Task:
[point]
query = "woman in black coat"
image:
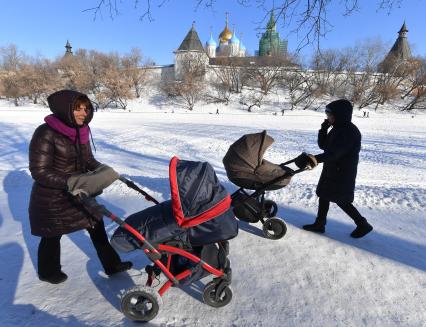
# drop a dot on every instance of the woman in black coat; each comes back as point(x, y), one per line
point(59, 156)
point(341, 154)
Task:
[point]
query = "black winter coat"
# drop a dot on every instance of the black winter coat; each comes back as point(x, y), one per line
point(53, 158)
point(341, 155)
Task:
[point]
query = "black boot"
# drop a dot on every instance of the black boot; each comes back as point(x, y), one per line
point(122, 266)
point(362, 229)
point(317, 227)
point(54, 279)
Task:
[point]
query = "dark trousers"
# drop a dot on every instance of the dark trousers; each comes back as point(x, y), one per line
point(348, 208)
point(49, 251)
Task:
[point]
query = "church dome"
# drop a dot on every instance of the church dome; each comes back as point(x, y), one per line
point(226, 34)
point(234, 39)
point(211, 41)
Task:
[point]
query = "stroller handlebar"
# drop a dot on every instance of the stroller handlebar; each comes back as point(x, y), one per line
point(123, 179)
point(133, 186)
point(286, 169)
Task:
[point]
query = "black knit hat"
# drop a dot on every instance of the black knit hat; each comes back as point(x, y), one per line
point(341, 110)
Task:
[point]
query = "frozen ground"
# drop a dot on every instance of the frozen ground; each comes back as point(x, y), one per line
point(301, 280)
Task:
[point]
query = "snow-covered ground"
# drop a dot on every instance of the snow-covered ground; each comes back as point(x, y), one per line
point(303, 279)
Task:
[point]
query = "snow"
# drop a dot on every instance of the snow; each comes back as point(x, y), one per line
point(303, 279)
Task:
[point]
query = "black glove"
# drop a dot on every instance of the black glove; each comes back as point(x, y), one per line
point(325, 124)
point(306, 160)
point(301, 161)
point(96, 210)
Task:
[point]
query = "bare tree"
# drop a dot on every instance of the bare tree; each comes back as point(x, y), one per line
point(11, 86)
point(228, 78)
point(116, 85)
point(189, 89)
point(132, 67)
point(188, 93)
point(361, 71)
point(358, 83)
point(116, 90)
point(39, 78)
point(265, 77)
point(230, 75)
point(219, 93)
point(77, 72)
point(387, 86)
point(300, 87)
point(11, 58)
point(329, 72)
point(104, 76)
point(93, 67)
point(252, 99)
point(415, 91)
point(308, 19)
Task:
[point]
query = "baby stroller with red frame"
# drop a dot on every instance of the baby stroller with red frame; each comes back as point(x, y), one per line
point(186, 238)
point(246, 168)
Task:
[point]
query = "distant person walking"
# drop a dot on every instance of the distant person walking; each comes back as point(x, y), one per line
point(59, 158)
point(365, 113)
point(341, 147)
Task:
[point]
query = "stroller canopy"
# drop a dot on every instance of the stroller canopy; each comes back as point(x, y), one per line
point(196, 193)
point(245, 166)
point(199, 211)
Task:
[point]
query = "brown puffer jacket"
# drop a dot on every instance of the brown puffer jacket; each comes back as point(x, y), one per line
point(53, 159)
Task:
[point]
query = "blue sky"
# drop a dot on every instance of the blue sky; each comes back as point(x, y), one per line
point(43, 27)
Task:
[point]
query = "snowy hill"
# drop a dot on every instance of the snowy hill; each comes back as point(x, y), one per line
point(303, 279)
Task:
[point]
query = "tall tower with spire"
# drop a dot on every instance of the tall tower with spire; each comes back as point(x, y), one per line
point(400, 51)
point(191, 49)
point(68, 51)
point(270, 42)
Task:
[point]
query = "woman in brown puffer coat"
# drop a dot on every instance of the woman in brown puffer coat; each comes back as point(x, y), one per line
point(60, 149)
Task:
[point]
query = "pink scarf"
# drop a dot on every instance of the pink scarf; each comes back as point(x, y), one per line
point(70, 132)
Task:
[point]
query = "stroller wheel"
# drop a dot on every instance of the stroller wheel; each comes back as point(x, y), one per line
point(141, 303)
point(209, 295)
point(274, 228)
point(271, 208)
